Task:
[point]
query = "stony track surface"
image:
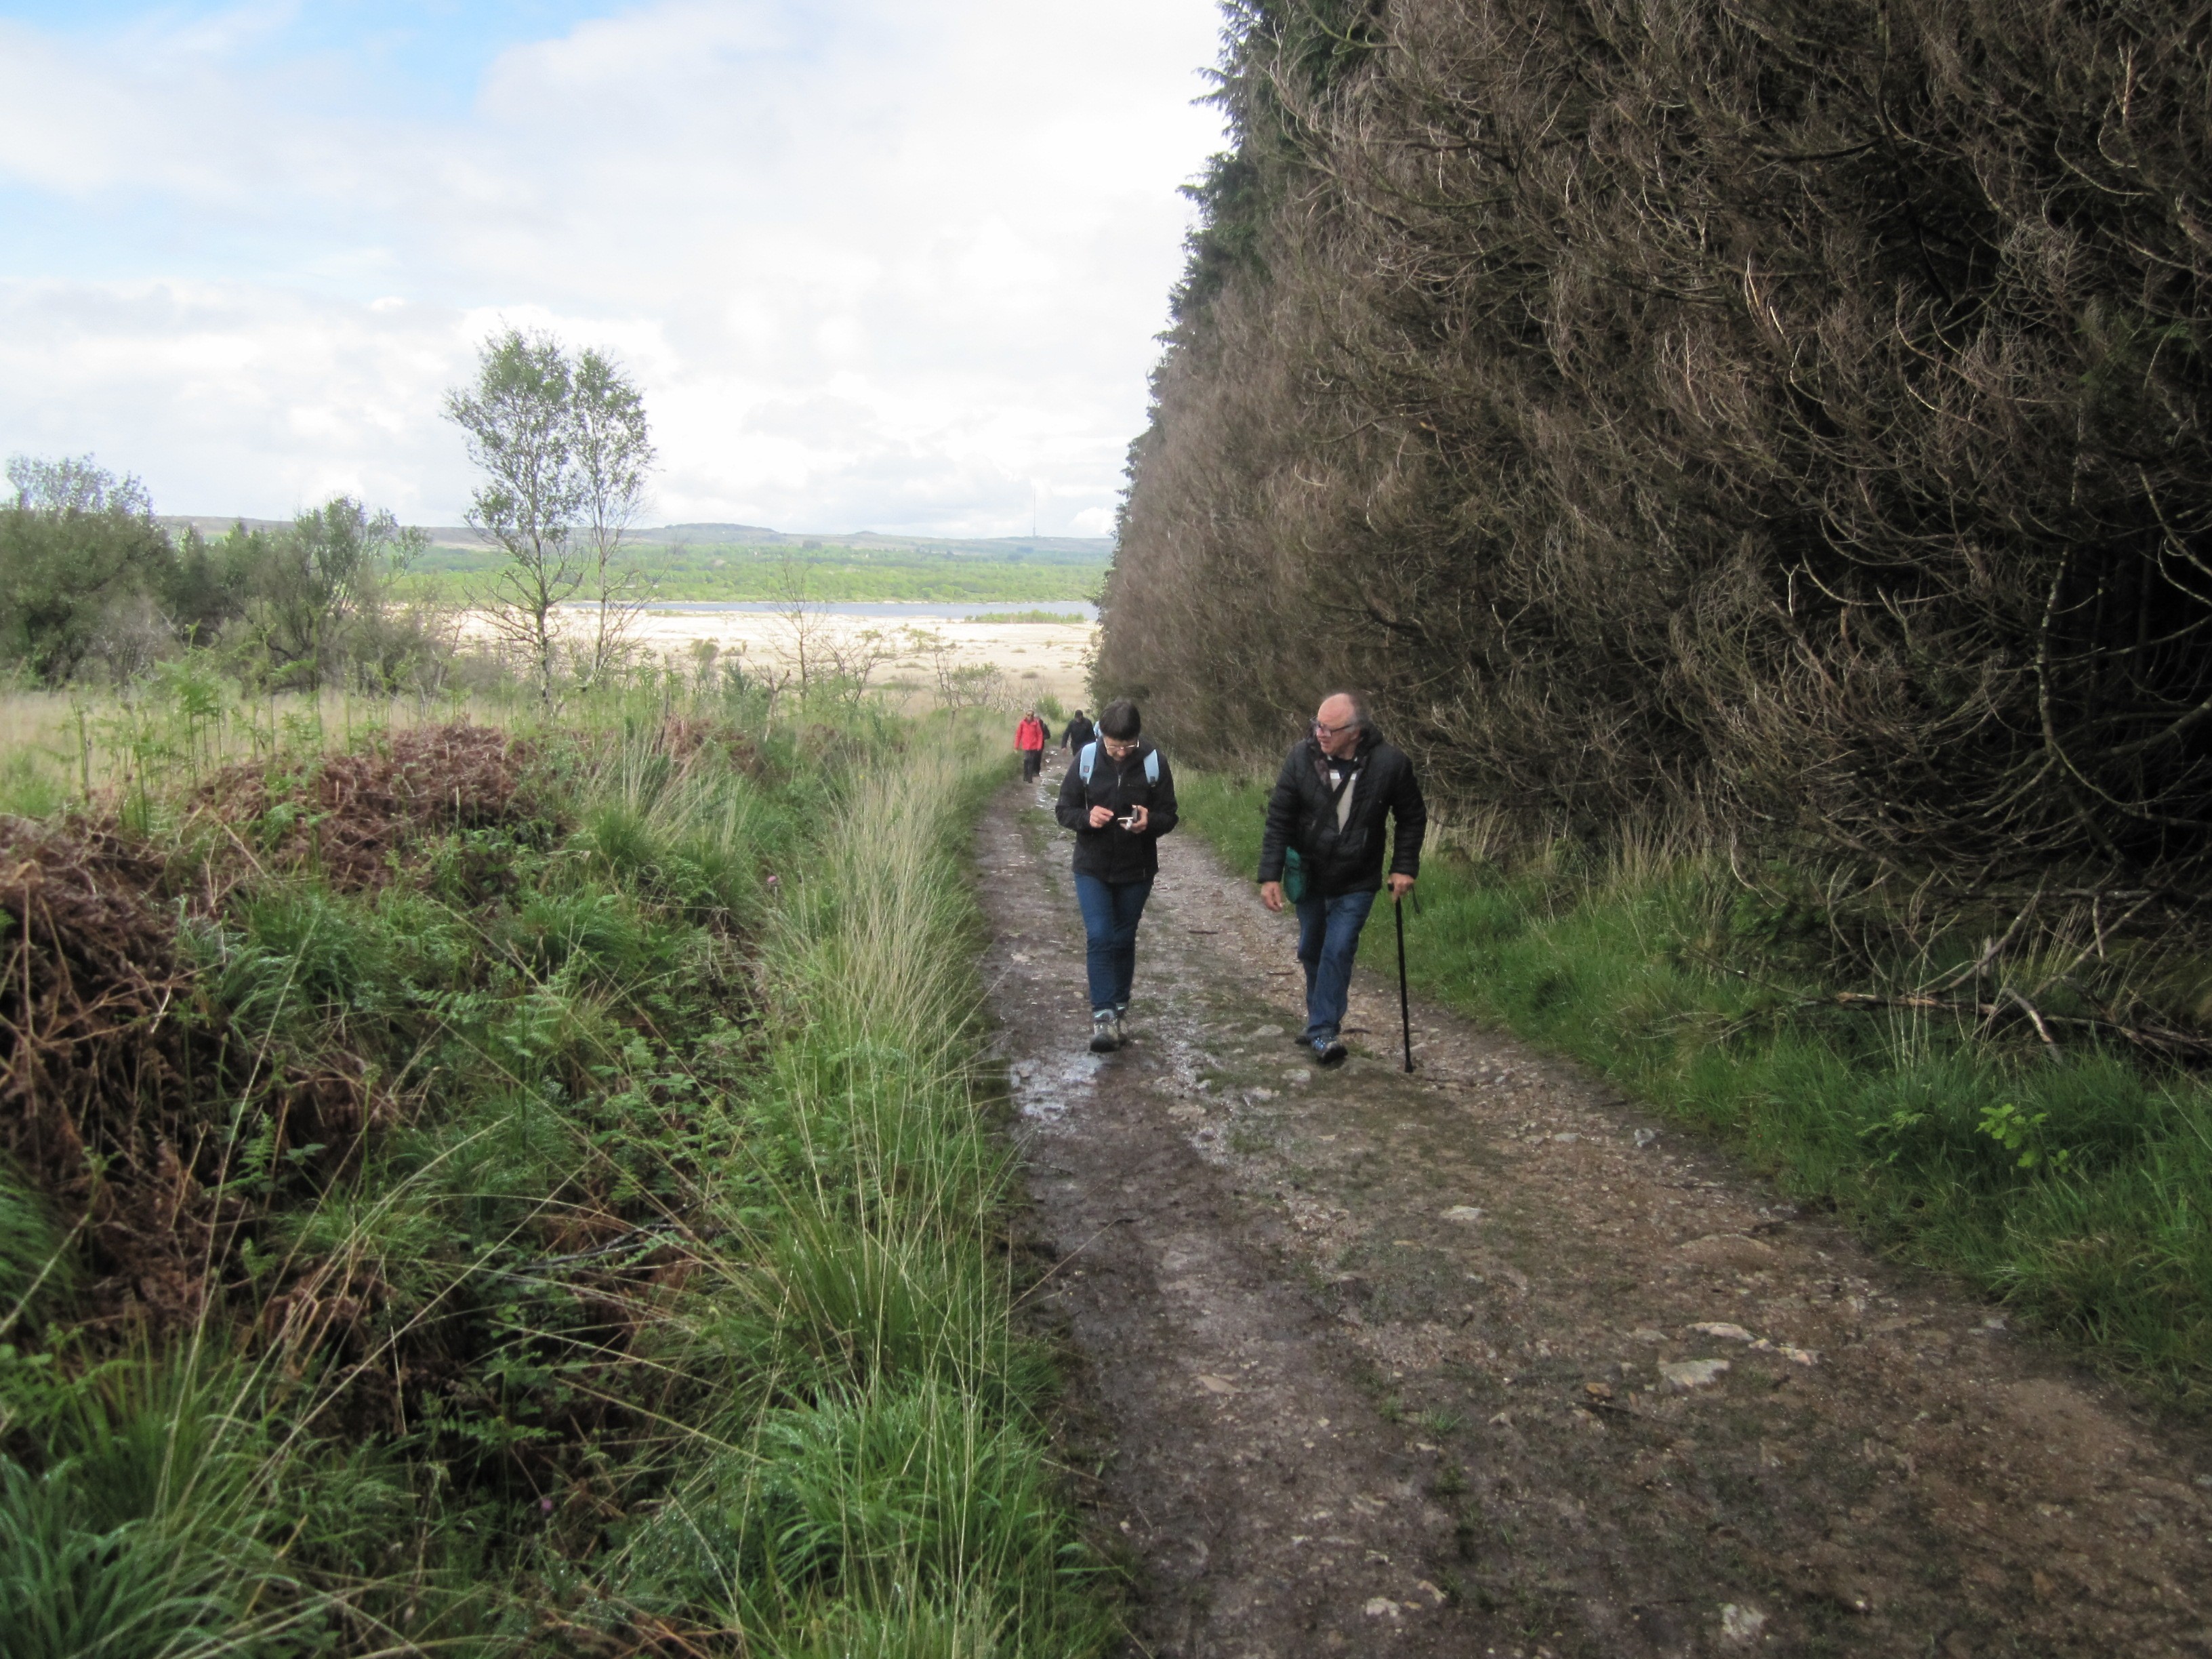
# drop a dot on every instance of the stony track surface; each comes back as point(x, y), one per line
point(1486, 1361)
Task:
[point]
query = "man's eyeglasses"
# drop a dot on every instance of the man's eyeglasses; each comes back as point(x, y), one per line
point(1328, 731)
point(1119, 750)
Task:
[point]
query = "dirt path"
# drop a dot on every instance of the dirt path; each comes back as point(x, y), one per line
point(1481, 1361)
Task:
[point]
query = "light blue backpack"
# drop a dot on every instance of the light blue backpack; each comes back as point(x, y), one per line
point(1090, 758)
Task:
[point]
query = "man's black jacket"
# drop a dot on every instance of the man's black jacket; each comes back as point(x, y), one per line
point(1301, 814)
point(1113, 854)
point(1079, 732)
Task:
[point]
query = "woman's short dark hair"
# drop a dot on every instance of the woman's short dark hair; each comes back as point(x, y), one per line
point(1119, 721)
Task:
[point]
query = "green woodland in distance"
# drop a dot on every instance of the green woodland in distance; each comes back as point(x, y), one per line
point(690, 562)
point(827, 570)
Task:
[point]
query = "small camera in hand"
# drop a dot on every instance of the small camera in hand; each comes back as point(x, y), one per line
point(1129, 822)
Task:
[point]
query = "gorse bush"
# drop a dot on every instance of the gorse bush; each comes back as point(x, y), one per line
point(80, 554)
point(90, 580)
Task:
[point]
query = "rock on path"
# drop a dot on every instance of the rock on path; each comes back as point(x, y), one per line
point(1483, 1361)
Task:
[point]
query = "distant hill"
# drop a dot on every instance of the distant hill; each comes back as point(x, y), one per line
point(177, 523)
point(1085, 548)
point(1038, 550)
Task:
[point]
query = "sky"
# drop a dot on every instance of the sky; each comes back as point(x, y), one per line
point(888, 264)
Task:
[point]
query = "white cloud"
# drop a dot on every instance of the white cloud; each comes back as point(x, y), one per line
point(874, 264)
point(230, 398)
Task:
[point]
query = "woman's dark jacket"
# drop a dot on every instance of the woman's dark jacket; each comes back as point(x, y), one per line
point(1301, 814)
point(1113, 854)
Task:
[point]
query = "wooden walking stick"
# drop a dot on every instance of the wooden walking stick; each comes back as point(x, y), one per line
point(1405, 1008)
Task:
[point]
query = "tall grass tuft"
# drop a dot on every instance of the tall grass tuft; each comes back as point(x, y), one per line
point(888, 1490)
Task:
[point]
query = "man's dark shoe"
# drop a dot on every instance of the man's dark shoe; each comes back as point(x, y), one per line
point(1104, 1039)
point(1331, 1052)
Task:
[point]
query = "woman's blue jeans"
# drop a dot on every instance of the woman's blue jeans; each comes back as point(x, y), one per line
point(1329, 939)
point(1111, 910)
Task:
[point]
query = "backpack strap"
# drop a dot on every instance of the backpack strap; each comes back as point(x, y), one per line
point(1089, 759)
point(1153, 766)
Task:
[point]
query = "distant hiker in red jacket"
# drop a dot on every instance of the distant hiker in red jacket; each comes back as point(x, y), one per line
point(1030, 737)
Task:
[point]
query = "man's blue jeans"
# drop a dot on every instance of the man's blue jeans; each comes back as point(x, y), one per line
point(1329, 938)
point(1111, 910)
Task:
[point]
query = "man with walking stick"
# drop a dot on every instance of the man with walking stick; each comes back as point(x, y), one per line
point(1322, 852)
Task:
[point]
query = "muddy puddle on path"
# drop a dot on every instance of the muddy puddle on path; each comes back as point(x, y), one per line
point(1483, 1361)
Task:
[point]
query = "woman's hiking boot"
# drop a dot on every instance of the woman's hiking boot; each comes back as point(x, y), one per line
point(1330, 1051)
point(1105, 1032)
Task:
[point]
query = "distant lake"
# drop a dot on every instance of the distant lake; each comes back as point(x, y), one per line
point(887, 610)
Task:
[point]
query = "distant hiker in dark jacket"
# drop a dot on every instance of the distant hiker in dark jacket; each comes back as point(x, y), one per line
point(1119, 812)
point(1328, 805)
point(1031, 737)
point(1079, 732)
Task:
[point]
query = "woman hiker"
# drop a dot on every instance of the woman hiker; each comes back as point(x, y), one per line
point(1119, 797)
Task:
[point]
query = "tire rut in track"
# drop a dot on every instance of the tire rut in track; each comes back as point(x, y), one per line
point(1483, 1361)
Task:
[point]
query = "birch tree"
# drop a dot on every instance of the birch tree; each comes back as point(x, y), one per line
point(614, 456)
point(564, 446)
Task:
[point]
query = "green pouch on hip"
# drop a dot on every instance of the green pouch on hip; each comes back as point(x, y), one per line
point(1294, 875)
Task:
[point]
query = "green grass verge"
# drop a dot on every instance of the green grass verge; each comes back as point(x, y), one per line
point(2078, 1190)
point(889, 1492)
point(665, 1302)
point(735, 574)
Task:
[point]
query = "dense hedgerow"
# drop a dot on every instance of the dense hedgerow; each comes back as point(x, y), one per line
point(1795, 410)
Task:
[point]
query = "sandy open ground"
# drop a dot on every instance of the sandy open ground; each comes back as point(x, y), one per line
point(1041, 657)
point(74, 742)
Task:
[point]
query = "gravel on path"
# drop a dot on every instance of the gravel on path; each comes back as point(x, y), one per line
point(1484, 1360)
